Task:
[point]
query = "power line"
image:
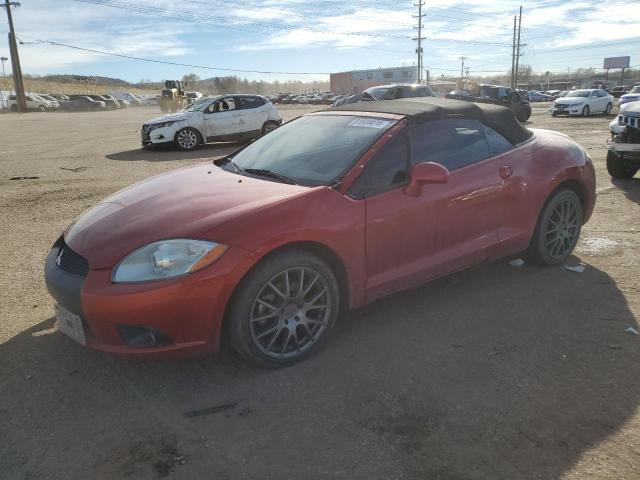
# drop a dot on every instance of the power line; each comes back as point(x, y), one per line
point(166, 62)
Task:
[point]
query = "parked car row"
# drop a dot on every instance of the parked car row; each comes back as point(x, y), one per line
point(326, 98)
point(57, 101)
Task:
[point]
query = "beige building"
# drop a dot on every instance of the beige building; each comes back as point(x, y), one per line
point(358, 80)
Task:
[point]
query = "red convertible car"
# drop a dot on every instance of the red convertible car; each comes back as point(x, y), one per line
point(265, 247)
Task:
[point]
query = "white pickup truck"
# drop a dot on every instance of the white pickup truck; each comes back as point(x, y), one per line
point(623, 157)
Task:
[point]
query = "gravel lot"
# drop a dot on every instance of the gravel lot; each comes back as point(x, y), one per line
point(495, 373)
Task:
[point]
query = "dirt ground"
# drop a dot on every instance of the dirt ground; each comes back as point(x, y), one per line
point(495, 373)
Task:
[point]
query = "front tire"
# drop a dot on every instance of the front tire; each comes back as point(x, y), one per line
point(558, 229)
point(283, 309)
point(187, 139)
point(585, 111)
point(618, 168)
point(42, 108)
point(269, 126)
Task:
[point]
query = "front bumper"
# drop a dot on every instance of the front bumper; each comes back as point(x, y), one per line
point(188, 311)
point(157, 136)
point(566, 111)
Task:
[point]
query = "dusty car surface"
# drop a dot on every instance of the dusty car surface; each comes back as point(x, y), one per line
point(210, 119)
point(330, 211)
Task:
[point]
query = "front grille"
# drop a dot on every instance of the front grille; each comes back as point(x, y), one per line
point(633, 122)
point(70, 261)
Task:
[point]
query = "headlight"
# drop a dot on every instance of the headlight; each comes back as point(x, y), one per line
point(153, 126)
point(166, 259)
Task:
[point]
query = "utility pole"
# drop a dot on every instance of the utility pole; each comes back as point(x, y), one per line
point(21, 103)
point(419, 38)
point(513, 53)
point(462, 59)
point(518, 49)
point(4, 81)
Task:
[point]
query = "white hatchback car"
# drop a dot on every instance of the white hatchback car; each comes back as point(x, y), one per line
point(583, 102)
point(213, 119)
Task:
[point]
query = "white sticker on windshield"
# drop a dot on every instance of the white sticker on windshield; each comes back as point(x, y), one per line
point(368, 123)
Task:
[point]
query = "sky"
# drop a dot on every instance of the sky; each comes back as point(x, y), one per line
point(307, 39)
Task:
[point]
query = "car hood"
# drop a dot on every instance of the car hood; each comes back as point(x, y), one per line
point(630, 96)
point(570, 100)
point(172, 117)
point(632, 107)
point(184, 203)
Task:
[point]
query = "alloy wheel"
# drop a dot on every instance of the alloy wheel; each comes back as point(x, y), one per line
point(290, 312)
point(562, 230)
point(187, 139)
point(270, 127)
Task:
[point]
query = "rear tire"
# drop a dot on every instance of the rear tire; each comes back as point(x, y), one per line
point(269, 126)
point(187, 139)
point(283, 309)
point(617, 167)
point(558, 229)
point(607, 110)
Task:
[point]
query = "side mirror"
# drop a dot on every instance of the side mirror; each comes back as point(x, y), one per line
point(424, 173)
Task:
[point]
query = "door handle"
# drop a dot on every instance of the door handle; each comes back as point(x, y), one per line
point(506, 171)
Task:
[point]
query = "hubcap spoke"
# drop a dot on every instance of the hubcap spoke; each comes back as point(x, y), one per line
point(283, 323)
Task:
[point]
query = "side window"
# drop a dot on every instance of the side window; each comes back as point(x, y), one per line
point(454, 143)
point(387, 170)
point(497, 143)
point(246, 103)
point(227, 104)
point(408, 92)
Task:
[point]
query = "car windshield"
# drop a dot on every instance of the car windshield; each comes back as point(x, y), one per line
point(635, 89)
point(377, 92)
point(579, 93)
point(313, 150)
point(198, 106)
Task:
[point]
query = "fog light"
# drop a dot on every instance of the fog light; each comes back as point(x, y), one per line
point(142, 337)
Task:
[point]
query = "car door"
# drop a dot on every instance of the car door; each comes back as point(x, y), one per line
point(220, 118)
point(594, 102)
point(411, 239)
point(603, 100)
point(395, 234)
point(252, 113)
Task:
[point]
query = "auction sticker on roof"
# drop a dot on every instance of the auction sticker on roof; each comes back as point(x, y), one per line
point(368, 123)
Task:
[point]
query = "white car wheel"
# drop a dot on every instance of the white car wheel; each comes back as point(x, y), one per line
point(607, 110)
point(187, 139)
point(585, 111)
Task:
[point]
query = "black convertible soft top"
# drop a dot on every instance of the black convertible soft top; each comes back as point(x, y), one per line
point(423, 109)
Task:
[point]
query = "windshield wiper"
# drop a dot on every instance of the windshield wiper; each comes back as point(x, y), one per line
point(270, 173)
